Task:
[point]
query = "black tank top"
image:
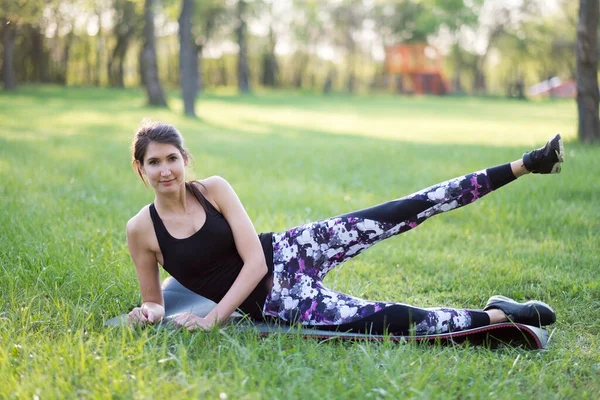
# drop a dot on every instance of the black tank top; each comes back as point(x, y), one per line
point(208, 262)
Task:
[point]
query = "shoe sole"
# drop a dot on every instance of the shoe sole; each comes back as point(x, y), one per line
point(504, 298)
point(560, 154)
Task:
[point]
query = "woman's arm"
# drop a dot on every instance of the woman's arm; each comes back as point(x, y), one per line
point(152, 308)
point(248, 247)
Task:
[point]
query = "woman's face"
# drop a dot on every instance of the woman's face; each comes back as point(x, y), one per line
point(164, 167)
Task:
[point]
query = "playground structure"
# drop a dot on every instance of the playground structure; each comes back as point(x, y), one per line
point(554, 87)
point(418, 68)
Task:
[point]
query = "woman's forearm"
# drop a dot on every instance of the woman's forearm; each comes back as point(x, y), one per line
point(249, 277)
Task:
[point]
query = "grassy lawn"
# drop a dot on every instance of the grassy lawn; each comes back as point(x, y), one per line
point(67, 190)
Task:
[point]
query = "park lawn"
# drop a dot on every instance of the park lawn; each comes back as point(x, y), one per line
point(67, 190)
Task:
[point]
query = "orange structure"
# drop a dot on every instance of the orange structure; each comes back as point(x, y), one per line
point(420, 64)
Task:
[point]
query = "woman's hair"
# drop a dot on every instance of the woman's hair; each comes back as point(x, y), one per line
point(160, 132)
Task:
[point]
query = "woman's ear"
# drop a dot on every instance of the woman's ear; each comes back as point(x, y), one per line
point(140, 168)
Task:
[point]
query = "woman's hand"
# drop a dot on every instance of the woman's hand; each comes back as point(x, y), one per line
point(192, 322)
point(148, 313)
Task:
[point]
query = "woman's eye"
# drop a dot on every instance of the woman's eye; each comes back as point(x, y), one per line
point(173, 158)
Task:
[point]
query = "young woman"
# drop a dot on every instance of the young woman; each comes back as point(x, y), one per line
point(200, 233)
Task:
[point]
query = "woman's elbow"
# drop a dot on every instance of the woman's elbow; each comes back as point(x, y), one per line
point(261, 267)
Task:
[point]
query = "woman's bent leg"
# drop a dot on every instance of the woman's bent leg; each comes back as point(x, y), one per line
point(312, 304)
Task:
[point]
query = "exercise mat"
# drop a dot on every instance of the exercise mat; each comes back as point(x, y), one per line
point(179, 299)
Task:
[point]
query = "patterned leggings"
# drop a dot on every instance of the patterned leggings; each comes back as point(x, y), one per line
point(302, 256)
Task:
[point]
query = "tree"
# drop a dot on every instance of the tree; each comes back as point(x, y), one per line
point(308, 30)
point(197, 23)
point(587, 71)
point(241, 33)
point(188, 66)
point(459, 61)
point(98, 8)
point(210, 17)
point(14, 15)
point(9, 34)
point(270, 67)
point(156, 96)
point(348, 18)
point(127, 20)
point(409, 21)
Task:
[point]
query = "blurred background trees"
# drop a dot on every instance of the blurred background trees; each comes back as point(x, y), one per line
point(490, 47)
point(488, 44)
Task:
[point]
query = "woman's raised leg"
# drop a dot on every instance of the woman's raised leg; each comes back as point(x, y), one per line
point(315, 248)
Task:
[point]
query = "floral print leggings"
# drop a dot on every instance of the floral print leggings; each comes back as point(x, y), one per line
point(303, 255)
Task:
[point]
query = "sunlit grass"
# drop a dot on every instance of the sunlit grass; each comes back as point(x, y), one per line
point(422, 120)
point(67, 190)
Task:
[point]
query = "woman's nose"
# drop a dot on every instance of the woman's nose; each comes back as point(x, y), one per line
point(165, 172)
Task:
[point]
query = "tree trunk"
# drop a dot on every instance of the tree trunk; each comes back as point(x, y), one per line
point(124, 31)
point(399, 84)
point(9, 34)
point(479, 84)
point(38, 54)
point(88, 58)
point(141, 67)
point(351, 80)
point(328, 85)
point(63, 68)
point(270, 68)
point(99, 49)
point(299, 74)
point(198, 68)
point(241, 35)
point(187, 54)
point(457, 86)
point(301, 65)
point(156, 96)
point(115, 63)
point(587, 71)
point(520, 86)
point(479, 77)
point(223, 74)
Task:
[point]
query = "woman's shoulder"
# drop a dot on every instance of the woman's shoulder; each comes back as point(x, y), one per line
point(140, 223)
point(212, 188)
point(211, 183)
point(216, 190)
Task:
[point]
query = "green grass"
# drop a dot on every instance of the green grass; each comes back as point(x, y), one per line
point(67, 190)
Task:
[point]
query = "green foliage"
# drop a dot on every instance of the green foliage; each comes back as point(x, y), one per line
point(209, 18)
point(21, 11)
point(67, 190)
point(538, 48)
point(416, 21)
point(524, 40)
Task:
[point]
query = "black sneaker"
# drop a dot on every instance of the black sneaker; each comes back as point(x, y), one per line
point(547, 159)
point(532, 312)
